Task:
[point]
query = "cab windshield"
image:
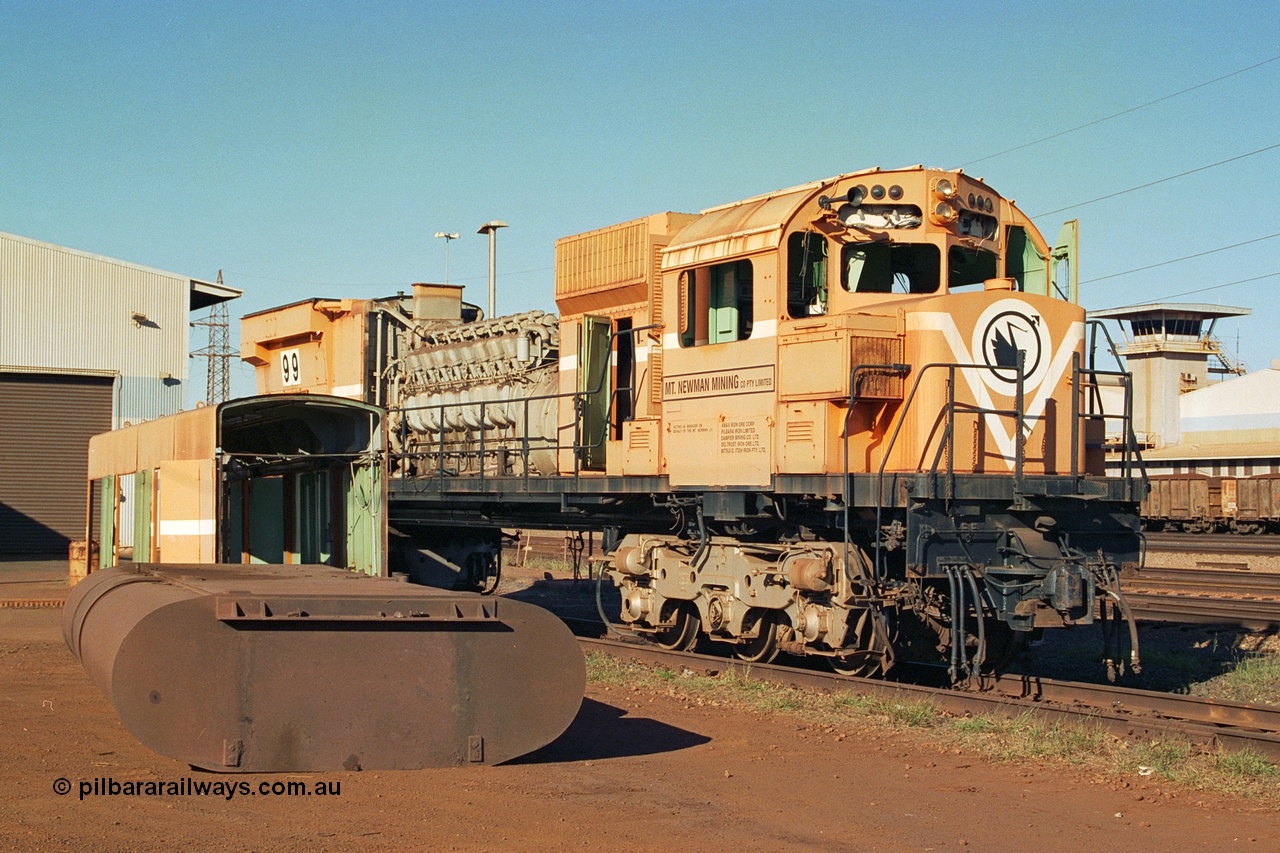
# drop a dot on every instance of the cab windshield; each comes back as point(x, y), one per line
point(890, 268)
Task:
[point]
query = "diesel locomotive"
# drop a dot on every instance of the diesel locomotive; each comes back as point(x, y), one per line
point(855, 419)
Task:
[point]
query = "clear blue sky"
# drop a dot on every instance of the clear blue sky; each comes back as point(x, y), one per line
point(314, 148)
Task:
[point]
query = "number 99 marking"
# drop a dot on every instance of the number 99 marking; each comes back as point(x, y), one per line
point(290, 368)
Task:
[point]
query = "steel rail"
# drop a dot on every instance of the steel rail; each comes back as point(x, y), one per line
point(1213, 543)
point(1233, 583)
point(1124, 712)
point(1204, 610)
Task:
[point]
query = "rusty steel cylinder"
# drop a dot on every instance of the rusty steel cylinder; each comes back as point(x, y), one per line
point(310, 668)
point(809, 573)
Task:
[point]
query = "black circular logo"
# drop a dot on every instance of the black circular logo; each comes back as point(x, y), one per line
point(1004, 335)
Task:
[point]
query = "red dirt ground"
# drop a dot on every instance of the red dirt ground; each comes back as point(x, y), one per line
point(635, 771)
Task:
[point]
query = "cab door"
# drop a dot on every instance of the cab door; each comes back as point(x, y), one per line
point(1064, 275)
point(1056, 275)
point(595, 385)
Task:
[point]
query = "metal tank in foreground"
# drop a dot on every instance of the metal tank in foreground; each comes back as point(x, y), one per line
point(239, 668)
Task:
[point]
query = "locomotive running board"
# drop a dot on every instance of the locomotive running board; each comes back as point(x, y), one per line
point(308, 668)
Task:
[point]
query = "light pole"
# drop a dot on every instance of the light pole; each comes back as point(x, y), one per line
point(491, 228)
point(446, 236)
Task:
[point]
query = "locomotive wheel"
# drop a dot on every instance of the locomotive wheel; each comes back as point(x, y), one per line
point(683, 635)
point(764, 648)
point(872, 655)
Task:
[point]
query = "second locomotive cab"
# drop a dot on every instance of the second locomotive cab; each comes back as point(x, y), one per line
point(855, 419)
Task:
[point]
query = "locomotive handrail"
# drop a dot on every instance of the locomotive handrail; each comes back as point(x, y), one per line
point(1129, 449)
point(1094, 327)
point(1130, 453)
point(1017, 413)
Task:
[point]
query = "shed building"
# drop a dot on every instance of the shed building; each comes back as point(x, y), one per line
point(87, 344)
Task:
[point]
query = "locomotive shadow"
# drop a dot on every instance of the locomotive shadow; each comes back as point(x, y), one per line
point(570, 599)
point(1175, 657)
point(603, 731)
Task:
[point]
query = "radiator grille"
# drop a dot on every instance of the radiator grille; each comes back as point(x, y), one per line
point(874, 385)
point(655, 297)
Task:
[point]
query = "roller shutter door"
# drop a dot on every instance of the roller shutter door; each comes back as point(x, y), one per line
point(45, 424)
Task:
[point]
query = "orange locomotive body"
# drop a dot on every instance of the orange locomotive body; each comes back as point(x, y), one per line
point(765, 307)
point(851, 419)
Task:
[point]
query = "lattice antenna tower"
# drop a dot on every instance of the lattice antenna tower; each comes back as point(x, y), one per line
point(217, 353)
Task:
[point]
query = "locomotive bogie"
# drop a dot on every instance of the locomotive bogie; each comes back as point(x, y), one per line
point(739, 591)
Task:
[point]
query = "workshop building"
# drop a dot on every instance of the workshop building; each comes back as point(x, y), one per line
point(87, 344)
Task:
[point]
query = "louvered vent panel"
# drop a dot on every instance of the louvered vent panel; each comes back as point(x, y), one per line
point(799, 431)
point(655, 297)
point(655, 374)
point(640, 438)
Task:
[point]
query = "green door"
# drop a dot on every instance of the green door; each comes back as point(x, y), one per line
point(596, 386)
point(266, 520)
point(364, 507)
point(107, 523)
point(1024, 263)
point(142, 492)
point(314, 517)
point(1063, 272)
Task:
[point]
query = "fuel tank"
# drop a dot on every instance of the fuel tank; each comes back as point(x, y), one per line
point(237, 668)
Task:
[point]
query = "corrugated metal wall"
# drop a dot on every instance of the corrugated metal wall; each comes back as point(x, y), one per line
point(65, 309)
point(43, 421)
point(65, 313)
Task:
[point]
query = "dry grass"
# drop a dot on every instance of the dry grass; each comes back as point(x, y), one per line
point(1017, 740)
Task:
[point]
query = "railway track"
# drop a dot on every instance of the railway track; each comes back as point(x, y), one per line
point(1125, 712)
point(1204, 610)
point(1205, 596)
point(1213, 543)
point(1199, 581)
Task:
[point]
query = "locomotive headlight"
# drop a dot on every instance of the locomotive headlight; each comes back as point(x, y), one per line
point(944, 213)
point(944, 190)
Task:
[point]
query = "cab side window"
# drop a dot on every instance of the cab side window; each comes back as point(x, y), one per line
point(716, 303)
point(806, 274)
